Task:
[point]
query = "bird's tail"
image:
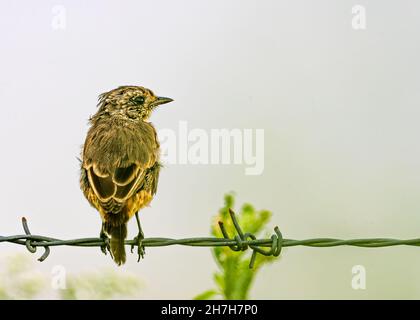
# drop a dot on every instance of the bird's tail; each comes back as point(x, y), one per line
point(118, 235)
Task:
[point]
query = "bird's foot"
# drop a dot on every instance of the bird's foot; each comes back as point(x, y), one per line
point(106, 246)
point(140, 247)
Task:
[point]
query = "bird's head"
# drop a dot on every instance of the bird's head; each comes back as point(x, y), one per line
point(133, 102)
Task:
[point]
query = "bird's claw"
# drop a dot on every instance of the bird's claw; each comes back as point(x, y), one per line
point(106, 246)
point(140, 247)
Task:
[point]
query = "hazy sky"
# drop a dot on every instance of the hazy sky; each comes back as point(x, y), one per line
point(340, 110)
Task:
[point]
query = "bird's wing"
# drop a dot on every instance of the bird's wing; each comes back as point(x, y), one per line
point(116, 159)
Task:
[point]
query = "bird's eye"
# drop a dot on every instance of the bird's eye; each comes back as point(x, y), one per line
point(138, 100)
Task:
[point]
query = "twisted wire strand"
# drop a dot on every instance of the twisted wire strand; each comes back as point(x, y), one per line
point(240, 242)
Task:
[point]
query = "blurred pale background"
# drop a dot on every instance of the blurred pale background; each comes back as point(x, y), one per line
point(340, 109)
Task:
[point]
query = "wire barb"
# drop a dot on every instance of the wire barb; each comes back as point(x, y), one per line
point(29, 244)
point(243, 242)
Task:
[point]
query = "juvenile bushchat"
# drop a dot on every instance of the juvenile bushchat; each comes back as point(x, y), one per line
point(120, 163)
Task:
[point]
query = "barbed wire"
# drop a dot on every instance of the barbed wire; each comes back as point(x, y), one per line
point(240, 242)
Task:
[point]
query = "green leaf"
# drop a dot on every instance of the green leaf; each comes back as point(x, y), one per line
point(206, 295)
point(220, 281)
point(235, 279)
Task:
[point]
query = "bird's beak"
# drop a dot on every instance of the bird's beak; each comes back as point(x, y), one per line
point(161, 100)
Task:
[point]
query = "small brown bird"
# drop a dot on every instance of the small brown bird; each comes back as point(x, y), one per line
point(120, 163)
